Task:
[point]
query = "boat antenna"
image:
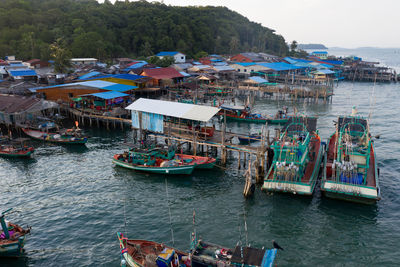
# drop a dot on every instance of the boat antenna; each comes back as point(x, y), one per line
point(169, 212)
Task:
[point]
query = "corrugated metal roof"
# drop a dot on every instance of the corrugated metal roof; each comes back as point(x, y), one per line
point(224, 68)
point(174, 109)
point(109, 95)
point(96, 84)
point(22, 72)
point(136, 66)
point(185, 74)
point(89, 75)
point(279, 66)
point(119, 87)
point(131, 77)
point(167, 53)
point(258, 79)
point(245, 64)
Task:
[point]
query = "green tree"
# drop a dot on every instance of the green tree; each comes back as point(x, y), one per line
point(146, 49)
point(61, 56)
point(234, 45)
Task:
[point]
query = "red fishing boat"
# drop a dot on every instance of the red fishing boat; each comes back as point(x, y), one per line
point(200, 162)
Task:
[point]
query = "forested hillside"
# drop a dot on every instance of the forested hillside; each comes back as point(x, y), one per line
point(90, 29)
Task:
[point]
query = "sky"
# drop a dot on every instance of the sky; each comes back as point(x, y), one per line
point(342, 23)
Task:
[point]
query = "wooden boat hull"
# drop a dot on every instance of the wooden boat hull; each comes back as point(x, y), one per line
point(249, 139)
point(302, 188)
point(12, 248)
point(133, 258)
point(38, 135)
point(277, 121)
point(185, 169)
point(20, 154)
point(244, 119)
point(362, 194)
point(201, 162)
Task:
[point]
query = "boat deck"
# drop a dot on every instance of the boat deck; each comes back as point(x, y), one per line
point(315, 147)
point(332, 150)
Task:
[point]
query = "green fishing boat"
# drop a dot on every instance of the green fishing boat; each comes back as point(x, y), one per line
point(153, 161)
point(350, 171)
point(243, 114)
point(296, 160)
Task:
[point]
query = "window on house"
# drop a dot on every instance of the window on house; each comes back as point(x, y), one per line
point(244, 70)
point(238, 70)
point(181, 57)
point(70, 95)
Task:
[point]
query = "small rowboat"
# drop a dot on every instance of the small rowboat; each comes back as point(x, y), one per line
point(59, 138)
point(11, 151)
point(12, 238)
point(140, 253)
point(160, 166)
point(201, 162)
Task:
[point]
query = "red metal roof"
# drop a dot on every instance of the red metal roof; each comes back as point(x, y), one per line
point(162, 73)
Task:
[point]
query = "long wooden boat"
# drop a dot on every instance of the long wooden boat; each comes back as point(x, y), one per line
point(242, 114)
point(201, 162)
point(207, 254)
point(297, 158)
point(141, 253)
point(59, 138)
point(350, 170)
point(12, 238)
point(11, 151)
point(159, 166)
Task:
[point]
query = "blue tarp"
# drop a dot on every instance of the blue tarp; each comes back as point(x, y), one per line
point(89, 75)
point(22, 72)
point(325, 71)
point(280, 66)
point(150, 121)
point(109, 95)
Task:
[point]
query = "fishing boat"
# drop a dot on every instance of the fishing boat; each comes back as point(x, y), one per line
point(201, 162)
point(297, 157)
point(350, 171)
point(68, 136)
point(141, 253)
point(207, 254)
point(12, 238)
point(153, 162)
point(243, 114)
point(15, 148)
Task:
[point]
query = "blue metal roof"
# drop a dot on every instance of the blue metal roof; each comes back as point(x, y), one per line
point(334, 62)
point(245, 64)
point(136, 66)
point(109, 95)
point(185, 74)
point(319, 52)
point(89, 75)
point(280, 66)
point(96, 84)
point(119, 87)
point(17, 65)
point(125, 76)
point(258, 79)
point(22, 72)
point(167, 53)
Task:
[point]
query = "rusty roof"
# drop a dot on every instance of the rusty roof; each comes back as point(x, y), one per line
point(16, 104)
